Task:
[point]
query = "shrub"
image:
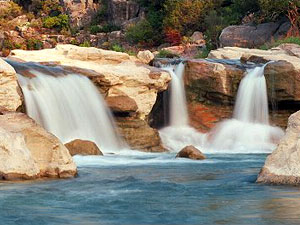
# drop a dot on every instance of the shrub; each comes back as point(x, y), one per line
point(85, 44)
point(94, 29)
point(107, 28)
point(34, 44)
point(291, 40)
point(142, 32)
point(61, 21)
point(117, 48)
point(173, 36)
point(166, 54)
point(10, 11)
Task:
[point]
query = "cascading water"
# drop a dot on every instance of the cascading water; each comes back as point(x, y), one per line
point(179, 134)
point(69, 106)
point(249, 129)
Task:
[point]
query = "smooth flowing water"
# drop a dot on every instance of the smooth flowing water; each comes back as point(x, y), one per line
point(153, 189)
point(69, 106)
point(178, 133)
point(249, 128)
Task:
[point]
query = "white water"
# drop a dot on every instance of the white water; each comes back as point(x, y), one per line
point(179, 134)
point(71, 108)
point(249, 129)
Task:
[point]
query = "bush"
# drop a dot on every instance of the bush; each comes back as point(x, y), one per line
point(11, 11)
point(34, 44)
point(94, 29)
point(117, 48)
point(85, 44)
point(107, 28)
point(142, 32)
point(61, 21)
point(291, 40)
point(166, 54)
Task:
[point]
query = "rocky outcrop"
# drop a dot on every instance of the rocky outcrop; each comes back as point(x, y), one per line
point(283, 165)
point(27, 151)
point(191, 152)
point(11, 97)
point(130, 87)
point(139, 135)
point(212, 81)
point(114, 73)
point(251, 36)
point(81, 12)
point(122, 11)
point(83, 147)
point(145, 56)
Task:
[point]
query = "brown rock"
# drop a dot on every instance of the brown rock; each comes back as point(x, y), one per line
point(139, 135)
point(83, 147)
point(121, 104)
point(198, 38)
point(191, 152)
point(28, 151)
point(283, 165)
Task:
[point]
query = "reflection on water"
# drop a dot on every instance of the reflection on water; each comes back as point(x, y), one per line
point(153, 189)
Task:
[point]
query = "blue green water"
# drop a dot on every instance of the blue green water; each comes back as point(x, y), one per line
point(153, 189)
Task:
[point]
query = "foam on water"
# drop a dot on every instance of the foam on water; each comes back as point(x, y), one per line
point(71, 108)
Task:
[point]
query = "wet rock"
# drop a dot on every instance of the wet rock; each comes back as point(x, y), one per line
point(83, 147)
point(283, 165)
point(28, 151)
point(191, 152)
point(11, 96)
point(145, 56)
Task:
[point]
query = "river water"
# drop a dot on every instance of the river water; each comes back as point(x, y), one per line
point(138, 188)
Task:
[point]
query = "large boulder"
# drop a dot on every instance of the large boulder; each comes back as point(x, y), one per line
point(212, 81)
point(283, 165)
point(191, 152)
point(11, 97)
point(145, 56)
point(251, 36)
point(83, 147)
point(27, 151)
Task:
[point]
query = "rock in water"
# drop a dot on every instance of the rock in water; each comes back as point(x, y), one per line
point(83, 147)
point(27, 151)
point(283, 165)
point(191, 152)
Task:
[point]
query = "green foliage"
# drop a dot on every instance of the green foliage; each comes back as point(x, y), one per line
point(94, 29)
point(11, 11)
point(34, 44)
point(166, 54)
point(202, 54)
point(107, 28)
point(117, 48)
point(272, 10)
point(85, 44)
point(291, 40)
point(142, 32)
point(61, 21)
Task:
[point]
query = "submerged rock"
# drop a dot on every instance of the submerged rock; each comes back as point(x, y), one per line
point(283, 165)
point(11, 97)
point(191, 152)
point(27, 151)
point(83, 147)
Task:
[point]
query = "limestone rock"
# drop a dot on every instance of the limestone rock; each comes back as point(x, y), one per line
point(283, 165)
point(10, 93)
point(191, 152)
point(198, 38)
point(249, 36)
point(121, 104)
point(83, 147)
point(27, 151)
point(139, 135)
point(114, 73)
point(145, 56)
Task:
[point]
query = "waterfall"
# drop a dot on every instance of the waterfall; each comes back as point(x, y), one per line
point(249, 129)
point(179, 134)
point(69, 106)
